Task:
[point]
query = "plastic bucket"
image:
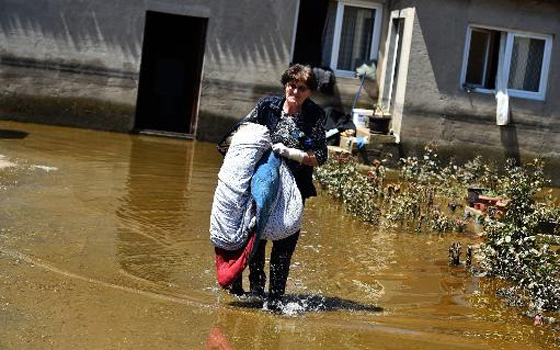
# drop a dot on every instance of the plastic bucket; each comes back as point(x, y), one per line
point(360, 117)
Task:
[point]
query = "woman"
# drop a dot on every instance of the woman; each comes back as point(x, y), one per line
point(296, 127)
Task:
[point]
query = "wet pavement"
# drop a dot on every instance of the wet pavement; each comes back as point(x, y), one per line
point(104, 245)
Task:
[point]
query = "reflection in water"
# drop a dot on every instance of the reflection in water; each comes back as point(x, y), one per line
point(153, 210)
point(217, 340)
point(12, 134)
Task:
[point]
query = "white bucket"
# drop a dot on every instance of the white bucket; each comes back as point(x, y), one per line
point(360, 117)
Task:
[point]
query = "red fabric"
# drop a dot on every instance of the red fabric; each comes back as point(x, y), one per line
point(230, 263)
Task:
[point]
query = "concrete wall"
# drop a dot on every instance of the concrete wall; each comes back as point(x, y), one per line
point(76, 62)
point(437, 109)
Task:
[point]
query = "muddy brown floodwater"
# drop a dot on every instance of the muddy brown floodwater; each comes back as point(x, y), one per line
point(104, 245)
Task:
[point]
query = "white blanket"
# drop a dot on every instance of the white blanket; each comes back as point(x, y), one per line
point(287, 209)
point(233, 210)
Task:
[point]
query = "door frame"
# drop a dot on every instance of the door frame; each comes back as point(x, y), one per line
point(386, 76)
point(202, 12)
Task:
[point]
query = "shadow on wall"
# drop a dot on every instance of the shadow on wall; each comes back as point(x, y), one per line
point(101, 27)
point(248, 45)
point(510, 143)
point(443, 38)
point(82, 27)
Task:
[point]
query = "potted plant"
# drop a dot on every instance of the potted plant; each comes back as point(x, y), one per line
point(380, 120)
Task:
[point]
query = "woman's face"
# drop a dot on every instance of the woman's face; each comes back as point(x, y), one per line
point(296, 92)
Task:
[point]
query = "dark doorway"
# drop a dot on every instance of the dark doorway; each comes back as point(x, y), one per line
point(170, 73)
point(309, 37)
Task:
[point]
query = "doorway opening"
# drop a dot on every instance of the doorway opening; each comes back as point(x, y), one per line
point(170, 74)
point(308, 44)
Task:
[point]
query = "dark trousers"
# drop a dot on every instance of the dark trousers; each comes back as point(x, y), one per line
point(280, 258)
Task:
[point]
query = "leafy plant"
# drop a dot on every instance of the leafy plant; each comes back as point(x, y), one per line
point(414, 201)
point(514, 249)
point(425, 198)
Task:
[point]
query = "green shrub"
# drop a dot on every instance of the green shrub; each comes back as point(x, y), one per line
point(514, 248)
point(426, 197)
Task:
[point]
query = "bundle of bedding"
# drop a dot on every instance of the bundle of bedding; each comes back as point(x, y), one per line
point(256, 198)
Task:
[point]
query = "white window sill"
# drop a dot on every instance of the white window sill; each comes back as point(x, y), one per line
point(512, 93)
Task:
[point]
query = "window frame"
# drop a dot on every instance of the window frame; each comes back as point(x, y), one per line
point(486, 54)
point(505, 58)
point(338, 31)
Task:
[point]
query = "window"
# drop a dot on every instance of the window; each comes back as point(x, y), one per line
point(483, 58)
point(518, 61)
point(526, 64)
point(355, 36)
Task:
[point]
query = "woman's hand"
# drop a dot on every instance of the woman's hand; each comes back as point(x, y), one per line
point(287, 152)
point(305, 158)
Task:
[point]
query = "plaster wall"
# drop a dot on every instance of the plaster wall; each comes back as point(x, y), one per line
point(437, 109)
point(76, 62)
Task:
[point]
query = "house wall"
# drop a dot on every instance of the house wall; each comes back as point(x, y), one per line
point(437, 109)
point(77, 63)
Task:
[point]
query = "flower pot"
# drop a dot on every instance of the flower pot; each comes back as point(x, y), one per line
point(379, 124)
point(473, 194)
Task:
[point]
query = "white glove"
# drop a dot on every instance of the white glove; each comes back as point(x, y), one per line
point(287, 152)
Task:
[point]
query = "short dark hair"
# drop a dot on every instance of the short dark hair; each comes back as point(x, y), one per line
point(301, 73)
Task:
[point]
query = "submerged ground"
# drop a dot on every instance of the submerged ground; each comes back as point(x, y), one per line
point(104, 245)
